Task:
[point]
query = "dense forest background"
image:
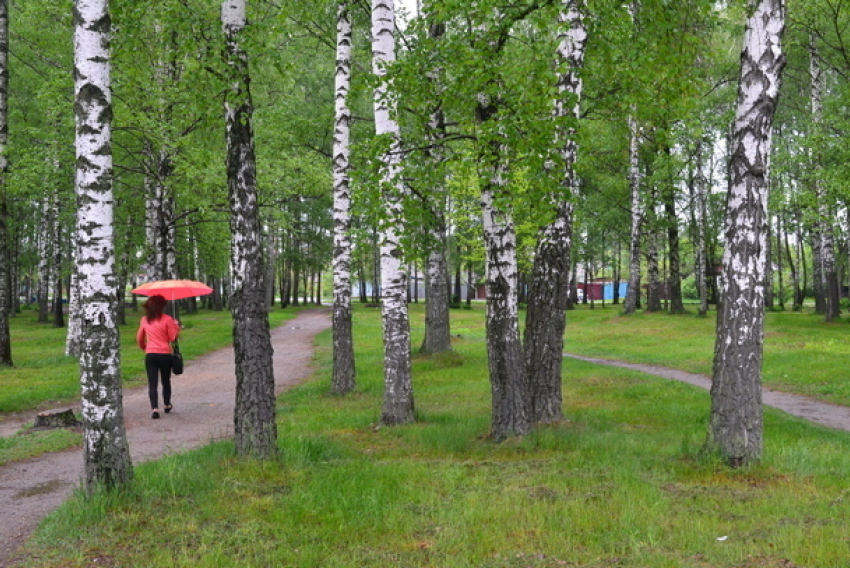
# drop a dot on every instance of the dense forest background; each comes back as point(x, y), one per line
point(672, 67)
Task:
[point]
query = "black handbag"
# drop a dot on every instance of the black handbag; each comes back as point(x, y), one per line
point(177, 360)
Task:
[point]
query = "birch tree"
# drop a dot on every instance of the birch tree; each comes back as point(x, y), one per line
point(506, 363)
point(107, 456)
point(254, 414)
point(632, 301)
point(5, 265)
point(343, 343)
point(545, 318)
point(398, 384)
point(736, 419)
point(437, 321)
point(824, 231)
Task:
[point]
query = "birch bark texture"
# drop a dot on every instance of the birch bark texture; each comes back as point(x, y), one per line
point(505, 360)
point(736, 420)
point(254, 413)
point(398, 384)
point(5, 264)
point(632, 300)
point(344, 370)
point(828, 276)
point(437, 320)
point(549, 287)
point(106, 451)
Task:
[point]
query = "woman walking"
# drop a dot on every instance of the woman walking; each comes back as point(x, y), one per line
point(157, 331)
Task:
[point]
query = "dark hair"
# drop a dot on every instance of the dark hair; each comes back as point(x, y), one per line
point(154, 307)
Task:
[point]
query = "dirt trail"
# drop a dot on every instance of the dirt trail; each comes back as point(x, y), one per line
point(203, 411)
point(824, 413)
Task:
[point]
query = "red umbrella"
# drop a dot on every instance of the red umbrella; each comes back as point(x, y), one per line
point(173, 289)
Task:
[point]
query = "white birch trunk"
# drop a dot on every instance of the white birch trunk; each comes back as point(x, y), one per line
point(344, 370)
point(736, 421)
point(58, 238)
point(632, 300)
point(107, 456)
point(255, 412)
point(506, 362)
point(44, 259)
point(398, 385)
point(828, 277)
point(437, 318)
point(73, 339)
point(546, 314)
point(699, 245)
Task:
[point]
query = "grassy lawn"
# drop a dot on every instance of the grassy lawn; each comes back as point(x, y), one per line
point(621, 482)
point(802, 354)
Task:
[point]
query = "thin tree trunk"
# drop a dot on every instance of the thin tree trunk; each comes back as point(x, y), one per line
point(45, 240)
point(106, 451)
point(254, 413)
point(653, 294)
point(674, 277)
point(344, 374)
point(633, 291)
point(829, 276)
point(702, 219)
point(736, 420)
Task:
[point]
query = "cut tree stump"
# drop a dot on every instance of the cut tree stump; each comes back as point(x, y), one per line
point(56, 419)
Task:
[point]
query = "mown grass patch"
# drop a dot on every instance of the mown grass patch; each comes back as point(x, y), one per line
point(621, 481)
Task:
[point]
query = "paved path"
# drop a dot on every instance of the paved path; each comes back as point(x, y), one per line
point(824, 413)
point(203, 411)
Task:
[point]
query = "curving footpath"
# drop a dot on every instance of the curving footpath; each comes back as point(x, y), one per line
point(203, 412)
point(823, 413)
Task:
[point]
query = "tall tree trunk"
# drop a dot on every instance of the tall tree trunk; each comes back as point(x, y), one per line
point(437, 322)
point(653, 294)
point(254, 413)
point(74, 336)
point(829, 276)
point(5, 256)
point(546, 316)
point(701, 220)
point(506, 362)
point(56, 274)
point(344, 374)
point(398, 383)
point(632, 301)
point(818, 288)
point(736, 421)
point(508, 378)
point(107, 455)
point(674, 277)
point(45, 254)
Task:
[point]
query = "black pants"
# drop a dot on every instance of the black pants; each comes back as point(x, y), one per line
point(159, 364)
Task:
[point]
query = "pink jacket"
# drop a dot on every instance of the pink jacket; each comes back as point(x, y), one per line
point(156, 337)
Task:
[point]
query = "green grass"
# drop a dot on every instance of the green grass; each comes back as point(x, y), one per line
point(31, 443)
point(802, 354)
point(621, 482)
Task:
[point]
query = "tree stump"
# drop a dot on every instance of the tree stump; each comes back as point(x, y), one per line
point(56, 419)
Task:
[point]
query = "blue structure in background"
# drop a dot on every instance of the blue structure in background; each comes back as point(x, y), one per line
point(609, 290)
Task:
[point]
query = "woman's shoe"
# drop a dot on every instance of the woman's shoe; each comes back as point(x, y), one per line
point(155, 414)
point(168, 408)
